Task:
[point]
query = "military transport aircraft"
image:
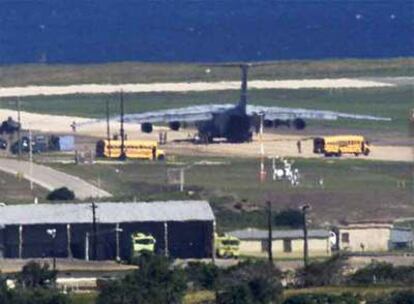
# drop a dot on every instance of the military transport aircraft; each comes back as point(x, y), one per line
point(235, 122)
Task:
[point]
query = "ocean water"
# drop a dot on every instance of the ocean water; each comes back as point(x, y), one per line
point(87, 31)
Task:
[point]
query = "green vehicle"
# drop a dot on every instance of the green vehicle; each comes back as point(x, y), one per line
point(142, 242)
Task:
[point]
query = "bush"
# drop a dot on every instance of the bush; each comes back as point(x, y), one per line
point(289, 218)
point(250, 282)
point(154, 282)
point(61, 194)
point(33, 275)
point(323, 299)
point(35, 285)
point(329, 272)
point(399, 297)
point(203, 275)
point(383, 273)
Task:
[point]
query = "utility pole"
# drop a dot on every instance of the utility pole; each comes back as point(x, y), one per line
point(305, 208)
point(270, 234)
point(30, 160)
point(122, 156)
point(94, 232)
point(108, 128)
point(19, 146)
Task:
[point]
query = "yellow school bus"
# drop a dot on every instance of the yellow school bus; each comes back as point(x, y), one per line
point(342, 144)
point(134, 149)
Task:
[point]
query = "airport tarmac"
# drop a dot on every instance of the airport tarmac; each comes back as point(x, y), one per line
point(276, 144)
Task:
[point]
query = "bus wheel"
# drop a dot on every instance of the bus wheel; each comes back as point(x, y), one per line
point(356, 154)
point(339, 154)
point(327, 154)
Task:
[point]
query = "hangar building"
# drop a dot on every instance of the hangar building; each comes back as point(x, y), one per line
point(182, 229)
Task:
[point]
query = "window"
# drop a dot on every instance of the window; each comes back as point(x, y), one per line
point(287, 245)
point(345, 237)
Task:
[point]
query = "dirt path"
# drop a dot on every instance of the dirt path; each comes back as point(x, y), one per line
point(338, 83)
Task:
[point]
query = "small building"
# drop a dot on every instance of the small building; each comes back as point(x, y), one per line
point(285, 243)
point(401, 239)
point(365, 236)
point(182, 229)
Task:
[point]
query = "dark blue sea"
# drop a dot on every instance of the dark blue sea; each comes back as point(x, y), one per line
point(86, 31)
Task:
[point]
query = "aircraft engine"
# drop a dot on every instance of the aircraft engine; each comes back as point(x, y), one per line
point(174, 125)
point(146, 127)
point(267, 123)
point(299, 124)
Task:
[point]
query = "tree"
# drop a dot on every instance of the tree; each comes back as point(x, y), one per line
point(289, 218)
point(203, 275)
point(61, 194)
point(329, 272)
point(155, 281)
point(33, 275)
point(250, 282)
point(35, 285)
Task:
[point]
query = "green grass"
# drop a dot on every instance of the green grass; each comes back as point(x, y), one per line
point(337, 290)
point(388, 102)
point(83, 298)
point(17, 190)
point(29, 74)
point(353, 189)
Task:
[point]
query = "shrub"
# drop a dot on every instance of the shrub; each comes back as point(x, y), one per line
point(154, 282)
point(203, 275)
point(61, 194)
point(33, 275)
point(329, 272)
point(381, 272)
point(323, 299)
point(398, 297)
point(250, 282)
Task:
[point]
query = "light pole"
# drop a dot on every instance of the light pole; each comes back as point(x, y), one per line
point(117, 231)
point(52, 234)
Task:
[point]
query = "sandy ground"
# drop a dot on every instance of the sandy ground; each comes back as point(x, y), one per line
point(339, 83)
point(275, 144)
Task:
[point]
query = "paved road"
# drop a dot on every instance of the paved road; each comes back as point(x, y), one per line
point(51, 179)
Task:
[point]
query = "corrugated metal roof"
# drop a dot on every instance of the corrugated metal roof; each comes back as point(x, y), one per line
point(257, 234)
point(401, 235)
point(106, 212)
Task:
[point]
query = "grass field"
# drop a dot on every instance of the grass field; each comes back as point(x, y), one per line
point(389, 102)
point(32, 74)
point(14, 190)
point(352, 189)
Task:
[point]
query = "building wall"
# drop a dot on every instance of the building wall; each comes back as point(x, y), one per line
point(364, 239)
point(317, 248)
point(185, 240)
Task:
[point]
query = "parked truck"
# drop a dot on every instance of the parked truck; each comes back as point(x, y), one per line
point(142, 242)
point(227, 246)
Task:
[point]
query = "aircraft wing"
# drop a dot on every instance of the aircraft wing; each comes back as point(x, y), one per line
point(187, 114)
point(292, 113)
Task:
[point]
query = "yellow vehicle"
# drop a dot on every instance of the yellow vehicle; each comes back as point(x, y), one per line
point(134, 149)
point(142, 242)
point(343, 144)
point(227, 246)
